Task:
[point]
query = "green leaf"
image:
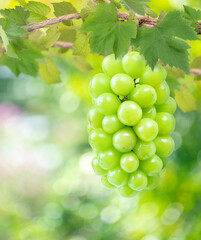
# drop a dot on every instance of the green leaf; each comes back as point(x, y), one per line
point(90, 7)
point(107, 33)
point(81, 44)
point(137, 6)
point(17, 16)
point(192, 14)
point(49, 72)
point(38, 11)
point(26, 61)
point(68, 34)
point(52, 35)
point(64, 8)
point(160, 42)
point(10, 51)
point(185, 100)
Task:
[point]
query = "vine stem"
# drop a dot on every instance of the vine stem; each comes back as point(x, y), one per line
point(61, 44)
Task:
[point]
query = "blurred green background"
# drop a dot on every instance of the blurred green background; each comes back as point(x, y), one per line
point(47, 187)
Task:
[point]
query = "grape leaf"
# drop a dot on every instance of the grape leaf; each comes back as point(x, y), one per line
point(160, 43)
point(90, 7)
point(10, 51)
point(21, 2)
point(25, 63)
point(17, 16)
point(52, 35)
point(192, 14)
point(107, 33)
point(81, 44)
point(64, 8)
point(38, 11)
point(137, 6)
point(49, 72)
point(68, 34)
point(185, 99)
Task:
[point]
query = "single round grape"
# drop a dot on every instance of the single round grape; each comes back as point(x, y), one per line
point(153, 182)
point(124, 140)
point(144, 95)
point(96, 167)
point(95, 118)
point(146, 129)
point(168, 106)
point(105, 182)
point(117, 177)
point(166, 123)
point(99, 84)
point(164, 146)
point(129, 162)
point(112, 66)
point(107, 103)
point(163, 93)
point(144, 150)
point(100, 140)
point(134, 64)
point(129, 113)
point(155, 76)
point(111, 124)
point(152, 166)
point(109, 159)
point(122, 84)
point(126, 191)
point(149, 112)
point(137, 180)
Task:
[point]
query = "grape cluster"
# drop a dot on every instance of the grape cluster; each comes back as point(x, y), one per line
point(130, 123)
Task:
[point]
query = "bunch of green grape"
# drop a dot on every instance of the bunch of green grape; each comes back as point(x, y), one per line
point(130, 123)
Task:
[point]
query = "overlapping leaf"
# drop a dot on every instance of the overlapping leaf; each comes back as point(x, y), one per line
point(38, 11)
point(106, 32)
point(161, 42)
point(137, 6)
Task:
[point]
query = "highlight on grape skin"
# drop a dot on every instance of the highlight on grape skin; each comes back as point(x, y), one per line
point(130, 123)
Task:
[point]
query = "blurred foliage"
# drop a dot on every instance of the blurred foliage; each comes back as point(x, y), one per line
point(48, 189)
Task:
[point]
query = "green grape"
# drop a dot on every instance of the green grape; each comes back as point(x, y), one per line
point(89, 128)
point(163, 93)
point(134, 64)
point(95, 118)
point(144, 150)
point(166, 123)
point(146, 129)
point(122, 84)
point(169, 106)
point(96, 167)
point(126, 191)
point(164, 146)
point(105, 182)
point(129, 113)
point(124, 140)
point(117, 177)
point(112, 66)
point(129, 162)
point(138, 180)
point(153, 182)
point(99, 84)
point(100, 140)
point(111, 124)
point(149, 112)
point(152, 166)
point(155, 77)
point(107, 103)
point(144, 95)
point(109, 159)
